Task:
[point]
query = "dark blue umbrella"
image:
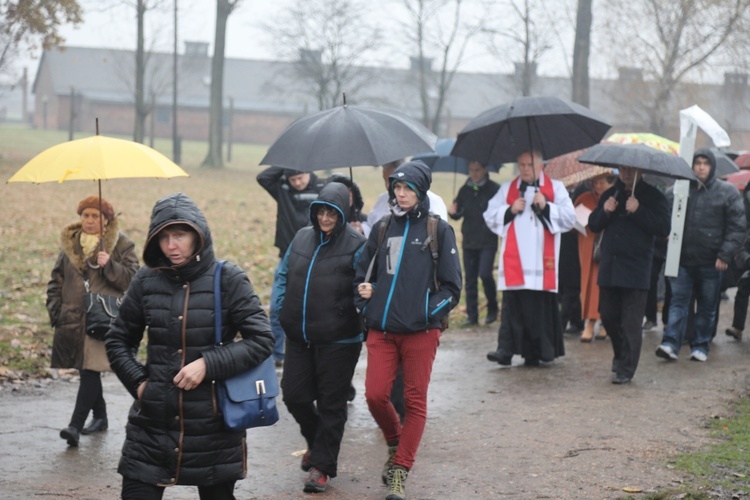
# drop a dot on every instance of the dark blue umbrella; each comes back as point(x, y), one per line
point(442, 160)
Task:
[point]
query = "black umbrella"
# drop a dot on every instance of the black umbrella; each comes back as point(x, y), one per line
point(724, 164)
point(638, 156)
point(546, 124)
point(348, 136)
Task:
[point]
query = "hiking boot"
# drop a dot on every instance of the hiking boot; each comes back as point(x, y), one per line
point(388, 463)
point(735, 333)
point(396, 480)
point(305, 464)
point(316, 482)
point(665, 351)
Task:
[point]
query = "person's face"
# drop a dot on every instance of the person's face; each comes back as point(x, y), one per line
point(702, 168)
point(299, 181)
point(90, 221)
point(601, 184)
point(627, 176)
point(405, 197)
point(177, 244)
point(387, 171)
point(477, 171)
point(328, 217)
point(527, 170)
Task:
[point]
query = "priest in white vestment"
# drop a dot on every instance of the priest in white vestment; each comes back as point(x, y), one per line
point(530, 213)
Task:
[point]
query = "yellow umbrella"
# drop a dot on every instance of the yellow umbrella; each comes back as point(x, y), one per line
point(653, 140)
point(97, 158)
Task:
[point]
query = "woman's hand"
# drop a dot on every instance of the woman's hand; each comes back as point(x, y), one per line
point(141, 388)
point(102, 258)
point(191, 375)
point(365, 290)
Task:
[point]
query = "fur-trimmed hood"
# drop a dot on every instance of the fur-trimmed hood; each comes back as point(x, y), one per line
point(70, 241)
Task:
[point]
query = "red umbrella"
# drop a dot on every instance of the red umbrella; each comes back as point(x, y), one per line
point(739, 179)
point(743, 161)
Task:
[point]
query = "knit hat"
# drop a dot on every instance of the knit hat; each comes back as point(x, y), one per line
point(93, 202)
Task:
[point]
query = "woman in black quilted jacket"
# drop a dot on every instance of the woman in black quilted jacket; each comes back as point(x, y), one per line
point(175, 434)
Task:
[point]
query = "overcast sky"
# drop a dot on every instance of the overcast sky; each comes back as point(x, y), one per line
point(115, 27)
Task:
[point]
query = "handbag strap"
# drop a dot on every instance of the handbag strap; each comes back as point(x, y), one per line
point(217, 301)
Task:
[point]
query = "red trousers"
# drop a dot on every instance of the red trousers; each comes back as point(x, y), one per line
point(415, 352)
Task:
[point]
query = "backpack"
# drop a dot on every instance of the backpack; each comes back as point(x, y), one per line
point(431, 242)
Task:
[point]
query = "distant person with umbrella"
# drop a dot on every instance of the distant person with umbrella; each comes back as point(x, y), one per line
point(479, 242)
point(94, 256)
point(404, 294)
point(530, 213)
point(630, 217)
point(589, 260)
point(294, 191)
point(714, 231)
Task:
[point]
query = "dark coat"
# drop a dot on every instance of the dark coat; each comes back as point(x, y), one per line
point(627, 246)
point(471, 202)
point(315, 279)
point(404, 297)
point(714, 220)
point(292, 206)
point(176, 436)
point(71, 347)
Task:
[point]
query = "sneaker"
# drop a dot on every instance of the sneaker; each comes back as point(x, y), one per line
point(735, 333)
point(305, 464)
point(698, 355)
point(396, 480)
point(388, 463)
point(316, 482)
point(665, 351)
point(649, 326)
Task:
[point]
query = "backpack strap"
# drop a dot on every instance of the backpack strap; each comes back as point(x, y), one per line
point(432, 242)
point(382, 228)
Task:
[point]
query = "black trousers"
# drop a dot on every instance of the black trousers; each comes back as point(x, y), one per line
point(621, 310)
point(315, 386)
point(570, 307)
point(90, 397)
point(136, 490)
point(479, 263)
point(653, 292)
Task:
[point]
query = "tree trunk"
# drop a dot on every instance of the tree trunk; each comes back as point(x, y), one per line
point(139, 128)
point(216, 116)
point(581, 52)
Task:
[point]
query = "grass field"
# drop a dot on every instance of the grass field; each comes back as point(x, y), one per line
point(240, 213)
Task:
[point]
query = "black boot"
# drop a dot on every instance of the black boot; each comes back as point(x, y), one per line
point(96, 425)
point(72, 434)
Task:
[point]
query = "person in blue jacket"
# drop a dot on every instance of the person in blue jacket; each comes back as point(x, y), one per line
point(404, 299)
point(324, 334)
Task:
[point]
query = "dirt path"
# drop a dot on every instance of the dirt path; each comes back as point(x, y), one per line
point(562, 431)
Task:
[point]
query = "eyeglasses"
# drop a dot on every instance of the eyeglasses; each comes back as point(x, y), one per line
point(331, 213)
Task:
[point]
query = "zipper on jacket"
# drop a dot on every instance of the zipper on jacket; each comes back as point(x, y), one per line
point(395, 273)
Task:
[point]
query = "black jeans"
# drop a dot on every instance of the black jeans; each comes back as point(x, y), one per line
point(315, 385)
point(90, 397)
point(136, 490)
point(480, 263)
point(621, 310)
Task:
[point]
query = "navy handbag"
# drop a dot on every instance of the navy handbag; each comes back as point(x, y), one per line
point(249, 398)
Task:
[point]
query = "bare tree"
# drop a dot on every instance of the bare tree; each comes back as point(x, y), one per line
point(671, 41)
point(530, 30)
point(216, 102)
point(328, 40)
point(437, 32)
point(581, 51)
point(33, 21)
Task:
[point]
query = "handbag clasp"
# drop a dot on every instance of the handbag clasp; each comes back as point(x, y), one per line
point(260, 386)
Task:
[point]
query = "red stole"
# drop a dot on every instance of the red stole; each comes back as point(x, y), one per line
point(512, 258)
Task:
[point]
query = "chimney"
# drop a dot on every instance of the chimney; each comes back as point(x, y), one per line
point(196, 49)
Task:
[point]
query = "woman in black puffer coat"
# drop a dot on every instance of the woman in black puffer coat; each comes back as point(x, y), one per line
point(175, 434)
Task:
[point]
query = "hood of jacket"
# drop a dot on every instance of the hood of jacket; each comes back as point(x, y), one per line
point(358, 203)
point(335, 195)
point(708, 154)
point(178, 208)
point(71, 245)
point(418, 175)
